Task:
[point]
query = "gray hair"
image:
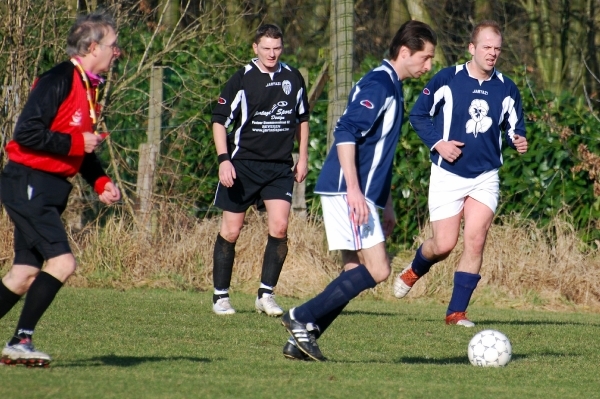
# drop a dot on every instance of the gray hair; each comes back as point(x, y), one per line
point(88, 29)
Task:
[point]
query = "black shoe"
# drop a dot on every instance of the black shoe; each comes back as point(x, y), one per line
point(290, 351)
point(304, 335)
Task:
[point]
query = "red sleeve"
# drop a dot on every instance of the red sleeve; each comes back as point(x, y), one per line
point(100, 183)
point(77, 145)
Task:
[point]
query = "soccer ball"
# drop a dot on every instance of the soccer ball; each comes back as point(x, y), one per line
point(489, 348)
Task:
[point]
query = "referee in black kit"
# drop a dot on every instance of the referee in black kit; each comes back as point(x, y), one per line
point(264, 106)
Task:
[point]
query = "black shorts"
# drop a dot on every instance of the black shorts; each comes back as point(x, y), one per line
point(35, 200)
point(255, 182)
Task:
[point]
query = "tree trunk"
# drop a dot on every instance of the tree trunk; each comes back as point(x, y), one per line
point(418, 11)
point(482, 10)
point(234, 20)
point(169, 13)
point(72, 8)
point(591, 56)
point(398, 15)
point(341, 43)
point(273, 8)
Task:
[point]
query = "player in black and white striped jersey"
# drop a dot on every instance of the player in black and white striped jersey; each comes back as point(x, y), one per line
point(261, 110)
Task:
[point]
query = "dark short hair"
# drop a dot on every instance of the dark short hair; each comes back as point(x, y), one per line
point(495, 26)
point(268, 30)
point(413, 35)
point(88, 29)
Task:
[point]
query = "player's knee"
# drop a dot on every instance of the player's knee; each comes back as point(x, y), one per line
point(278, 229)
point(231, 235)
point(61, 267)
point(67, 269)
point(443, 248)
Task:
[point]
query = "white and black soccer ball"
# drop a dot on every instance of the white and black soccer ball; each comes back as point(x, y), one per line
point(489, 348)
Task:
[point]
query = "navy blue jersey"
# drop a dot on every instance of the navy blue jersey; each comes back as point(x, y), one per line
point(457, 106)
point(372, 121)
point(265, 109)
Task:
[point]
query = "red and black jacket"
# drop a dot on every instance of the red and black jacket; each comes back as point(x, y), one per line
point(49, 132)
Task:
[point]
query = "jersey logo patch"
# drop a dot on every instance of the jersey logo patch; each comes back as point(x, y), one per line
point(76, 118)
point(286, 85)
point(479, 122)
point(222, 101)
point(426, 91)
point(367, 103)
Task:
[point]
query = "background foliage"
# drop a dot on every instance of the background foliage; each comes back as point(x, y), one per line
point(201, 44)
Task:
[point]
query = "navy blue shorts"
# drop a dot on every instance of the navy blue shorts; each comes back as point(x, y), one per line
point(255, 182)
point(35, 201)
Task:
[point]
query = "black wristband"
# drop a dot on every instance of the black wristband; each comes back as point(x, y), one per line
point(223, 157)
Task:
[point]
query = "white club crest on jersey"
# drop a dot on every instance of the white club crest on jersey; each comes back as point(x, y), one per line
point(76, 118)
point(286, 86)
point(479, 122)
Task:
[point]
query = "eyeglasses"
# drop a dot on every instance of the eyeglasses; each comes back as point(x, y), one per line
point(114, 46)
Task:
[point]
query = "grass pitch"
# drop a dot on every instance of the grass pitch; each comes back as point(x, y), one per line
point(166, 344)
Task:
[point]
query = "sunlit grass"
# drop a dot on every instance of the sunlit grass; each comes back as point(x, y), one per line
point(168, 344)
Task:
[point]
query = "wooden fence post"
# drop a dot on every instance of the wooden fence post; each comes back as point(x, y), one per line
point(149, 150)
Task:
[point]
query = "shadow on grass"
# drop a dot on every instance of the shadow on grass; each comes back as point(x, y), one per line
point(128, 361)
point(452, 360)
point(368, 313)
point(535, 323)
point(444, 361)
point(481, 324)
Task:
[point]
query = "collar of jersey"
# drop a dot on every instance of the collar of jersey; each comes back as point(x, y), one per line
point(493, 75)
point(254, 60)
point(388, 64)
point(95, 80)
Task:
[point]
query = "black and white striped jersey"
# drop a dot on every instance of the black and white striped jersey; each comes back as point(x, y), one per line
point(261, 112)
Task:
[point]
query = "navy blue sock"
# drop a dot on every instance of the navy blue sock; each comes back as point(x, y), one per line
point(420, 264)
point(339, 292)
point(464, 285)
point(325, 321)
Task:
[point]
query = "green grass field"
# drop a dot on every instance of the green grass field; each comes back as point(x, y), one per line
point(166, 344)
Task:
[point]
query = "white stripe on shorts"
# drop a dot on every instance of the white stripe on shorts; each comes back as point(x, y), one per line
point(342, 232)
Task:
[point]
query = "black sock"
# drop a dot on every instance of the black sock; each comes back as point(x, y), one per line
point(275, 254)
point(223, 257)
point(8, 300)
point(262, 291)
point(40, 295)
point(216, 297)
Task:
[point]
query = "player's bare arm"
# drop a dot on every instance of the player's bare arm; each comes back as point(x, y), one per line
point(449, 150)
point(356, 198)
point(301, 167)
point(226, 169)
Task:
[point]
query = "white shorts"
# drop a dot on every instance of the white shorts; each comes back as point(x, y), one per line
point(342, 233)
point(447, 192)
